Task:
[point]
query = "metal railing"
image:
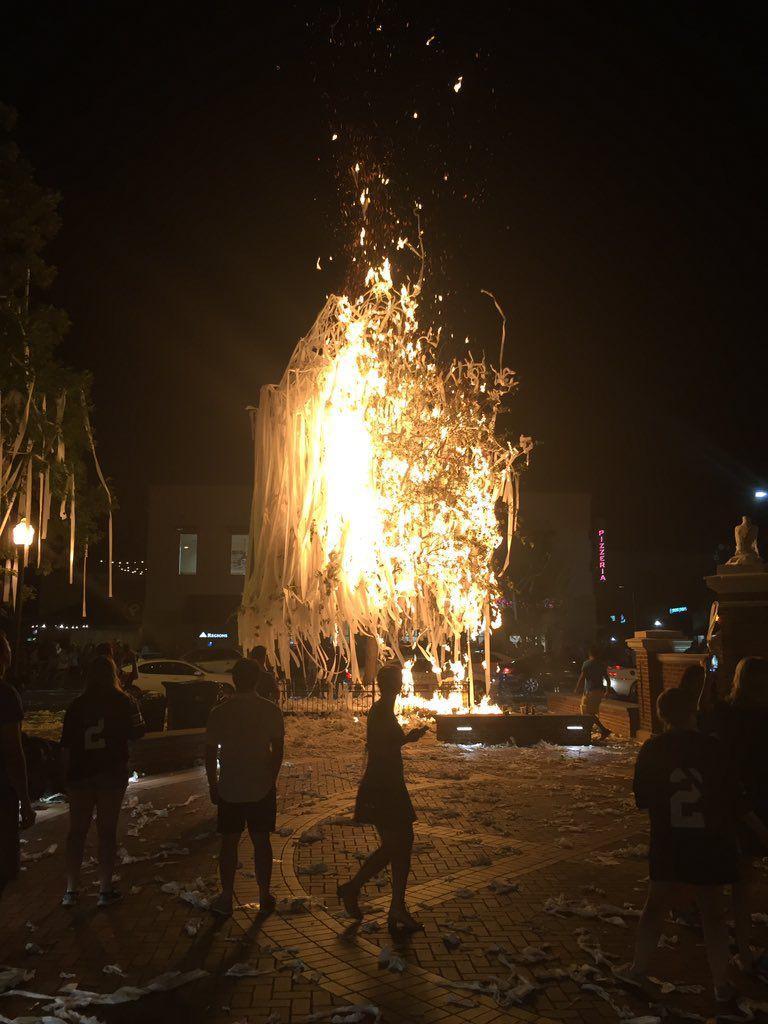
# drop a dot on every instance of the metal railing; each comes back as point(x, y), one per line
point(325, 700)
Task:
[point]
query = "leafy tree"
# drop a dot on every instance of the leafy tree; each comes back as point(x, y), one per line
point(45, 405)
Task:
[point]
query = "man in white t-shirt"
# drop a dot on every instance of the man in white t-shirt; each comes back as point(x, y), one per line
point(243, 755)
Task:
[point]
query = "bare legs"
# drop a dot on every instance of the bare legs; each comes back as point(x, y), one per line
point(107, 804)
point(262, 862)
point(228, 863)
point(709, 899)
point(81, 807)
point(712, 910)
point(395, 850)
point(400, 845)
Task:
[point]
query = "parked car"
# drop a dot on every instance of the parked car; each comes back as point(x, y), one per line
point(515, 678)
point(214, 659)
point(623, 682)
point(152, 675)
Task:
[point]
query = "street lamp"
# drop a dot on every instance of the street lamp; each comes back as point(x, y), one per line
point(761, 495)
point(23, 535)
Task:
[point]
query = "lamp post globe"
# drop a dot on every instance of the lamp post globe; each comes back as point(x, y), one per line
point(23, 534)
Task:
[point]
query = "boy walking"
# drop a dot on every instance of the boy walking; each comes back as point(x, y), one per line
point(244, 752)
point(683, 781)
point(594, 683)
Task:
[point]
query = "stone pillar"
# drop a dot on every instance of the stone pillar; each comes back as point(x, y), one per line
point(648, 644)
point(741, 628)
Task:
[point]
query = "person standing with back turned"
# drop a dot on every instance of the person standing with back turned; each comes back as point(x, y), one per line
point(98, 727)
point(593, 684)
point(243, 755)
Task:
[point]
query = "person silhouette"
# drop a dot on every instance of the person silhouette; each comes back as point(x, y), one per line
point(383, 801)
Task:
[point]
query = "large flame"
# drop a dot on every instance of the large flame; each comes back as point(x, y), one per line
point(409, 702)
point(377, 477)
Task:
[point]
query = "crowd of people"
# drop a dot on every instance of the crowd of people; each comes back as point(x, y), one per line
point(703, 782)
point(60, 663)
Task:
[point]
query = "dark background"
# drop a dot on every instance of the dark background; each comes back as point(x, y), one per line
point(605, 179)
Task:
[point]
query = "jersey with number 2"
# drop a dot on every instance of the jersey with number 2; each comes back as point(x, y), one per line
point(97, 729)
point(685, 783)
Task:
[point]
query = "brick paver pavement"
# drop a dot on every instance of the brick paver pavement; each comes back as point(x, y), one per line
point(500, 833)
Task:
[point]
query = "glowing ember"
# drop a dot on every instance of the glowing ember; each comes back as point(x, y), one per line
point(377, 477)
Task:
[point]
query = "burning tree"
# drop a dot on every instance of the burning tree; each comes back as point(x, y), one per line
point(377, 478)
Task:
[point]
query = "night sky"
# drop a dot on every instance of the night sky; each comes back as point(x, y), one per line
point(605, 180)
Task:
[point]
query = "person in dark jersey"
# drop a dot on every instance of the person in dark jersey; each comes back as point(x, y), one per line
point(98, 727)
point(682, 779)
point(741, 723)
point(16, 810)
point(593, 684)
point(383, 801)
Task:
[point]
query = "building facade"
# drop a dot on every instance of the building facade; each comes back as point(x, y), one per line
point(196, 550)
point(197, 545)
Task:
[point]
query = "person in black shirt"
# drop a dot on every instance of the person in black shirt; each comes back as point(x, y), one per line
point(267, 686)
point(383, 801)
point(98, 726)
point(14, 794)
point(741, 723)
point(682, 779)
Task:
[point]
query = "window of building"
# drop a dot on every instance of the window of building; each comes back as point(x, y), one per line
point(187, 554)
point(238, 553)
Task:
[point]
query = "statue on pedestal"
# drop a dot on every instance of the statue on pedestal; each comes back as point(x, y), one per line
point(746, 544)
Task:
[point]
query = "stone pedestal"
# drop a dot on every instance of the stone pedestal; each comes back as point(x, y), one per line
point(649, 646)
point(741, 629)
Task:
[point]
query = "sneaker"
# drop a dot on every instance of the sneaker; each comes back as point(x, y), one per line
point(107, 899)
point(70, 898)
point(267, 906)
point(221, 906)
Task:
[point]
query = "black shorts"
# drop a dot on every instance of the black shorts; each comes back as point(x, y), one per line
point(695, 860)
point(10, 847)
point(259, 816)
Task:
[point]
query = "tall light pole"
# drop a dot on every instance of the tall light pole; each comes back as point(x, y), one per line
point(23, 535)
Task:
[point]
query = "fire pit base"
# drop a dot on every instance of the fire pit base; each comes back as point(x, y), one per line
point(523, 730)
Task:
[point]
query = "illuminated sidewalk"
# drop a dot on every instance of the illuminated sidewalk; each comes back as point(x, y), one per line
point(502, 835)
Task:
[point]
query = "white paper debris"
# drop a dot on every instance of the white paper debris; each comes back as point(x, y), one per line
point(350, 1014)
point(390, 961)
point(320, 868)
point(31, 858)
point(246, 971)
point(11, 977)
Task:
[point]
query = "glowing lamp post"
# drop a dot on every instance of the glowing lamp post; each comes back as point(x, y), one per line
point(23, 535)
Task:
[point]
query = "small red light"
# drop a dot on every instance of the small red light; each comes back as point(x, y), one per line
point(506, 671)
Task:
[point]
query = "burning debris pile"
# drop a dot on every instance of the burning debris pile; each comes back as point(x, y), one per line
point(377, 478)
